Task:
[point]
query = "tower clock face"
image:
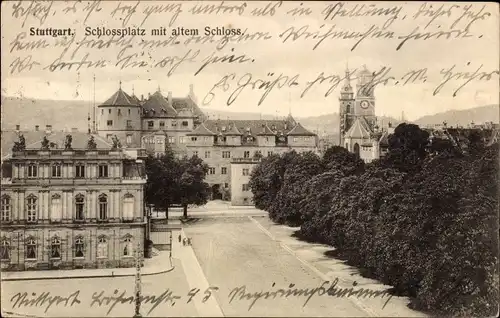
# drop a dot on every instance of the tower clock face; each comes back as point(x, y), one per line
point(364, 104)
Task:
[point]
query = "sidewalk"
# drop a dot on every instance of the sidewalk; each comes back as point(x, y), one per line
point(196, 279)
point(156, 265)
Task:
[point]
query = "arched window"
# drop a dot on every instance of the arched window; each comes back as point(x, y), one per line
point(356, 149)
point(55, 248)
point(79, 247)
point(79, 207)
point(102, 247)
point(128, 207)
point(103, 207)
point(31, 208)
point(127, 246)
point(56, 208)
point(31, 248)
point(6, 208)
point(4, 250)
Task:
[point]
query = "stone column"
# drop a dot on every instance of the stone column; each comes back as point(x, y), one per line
point(112, 213)
point(22, 204)
point(69, 212)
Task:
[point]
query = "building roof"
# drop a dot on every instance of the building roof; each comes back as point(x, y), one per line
point(120, 98)
point(187, 103)
point(58, 138)
point(201, 130)
point(359, 130)
point(299, 130)
point(158, 106)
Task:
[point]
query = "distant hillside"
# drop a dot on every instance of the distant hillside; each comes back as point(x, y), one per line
point(462, 117)
point(73, 114)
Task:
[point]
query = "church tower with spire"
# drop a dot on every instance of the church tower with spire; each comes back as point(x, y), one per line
point(346, 111)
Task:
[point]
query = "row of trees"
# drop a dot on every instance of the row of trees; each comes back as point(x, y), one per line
point(176, 181)
point(423, 219)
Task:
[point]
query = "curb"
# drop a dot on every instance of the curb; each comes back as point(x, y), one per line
point(86, 276)
point(355, 301)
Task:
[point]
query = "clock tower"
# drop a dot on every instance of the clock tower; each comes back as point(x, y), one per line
point(365, 98)
point(346, 111)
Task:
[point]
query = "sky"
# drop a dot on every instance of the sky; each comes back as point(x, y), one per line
point(295, 60)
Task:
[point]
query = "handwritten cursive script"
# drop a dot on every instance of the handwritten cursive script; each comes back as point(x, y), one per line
point(326, 288)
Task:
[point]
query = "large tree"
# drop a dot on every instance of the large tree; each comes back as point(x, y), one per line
point(163, 175)
point(192, 189)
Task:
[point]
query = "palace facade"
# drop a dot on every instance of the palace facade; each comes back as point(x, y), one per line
point(158, 121)
point(70, 200)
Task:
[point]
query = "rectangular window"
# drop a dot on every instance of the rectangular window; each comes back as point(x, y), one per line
point(56, 171)
point(194, 138)
point(246, 171)
point(226, 185)
point(31, 209)
point(32, 171)
point(5, 208)
point(195, 153)
point(109, 123)
point(185, 123)
point(182, 140)
point(226, 154)
point(119, 111)
point(223, 170)
point(151, 124)
point(80, 171)
point(269, 153)
point(79, 208)
point(246, 154)
point(162, 124)
point(207, 154)
point(109, 111)
point(129, 123)
point(103, 171)
point(211, 170)
point(245, 187)
point(295, 139)
point(171, 139)
point(129, 139)
point(174, 123)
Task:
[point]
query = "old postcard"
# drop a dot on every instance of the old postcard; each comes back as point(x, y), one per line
point(249, 159)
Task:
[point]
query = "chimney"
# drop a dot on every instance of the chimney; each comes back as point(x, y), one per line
point(169, 97)
point(37, 128)
point(18, 127)
point(74, 129)
point(48, 129)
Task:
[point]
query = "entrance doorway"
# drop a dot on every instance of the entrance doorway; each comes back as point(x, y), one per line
point(216, 193)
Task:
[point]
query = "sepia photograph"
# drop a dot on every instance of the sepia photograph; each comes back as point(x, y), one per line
point(249, 158)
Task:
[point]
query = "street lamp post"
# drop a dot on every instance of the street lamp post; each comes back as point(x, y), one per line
point(138, 282)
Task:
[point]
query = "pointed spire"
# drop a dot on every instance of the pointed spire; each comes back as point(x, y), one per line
point(133, 90)
point(120, 84)
point(159, 89)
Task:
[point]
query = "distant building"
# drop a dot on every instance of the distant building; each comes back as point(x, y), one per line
point(158, 121)
point(65, 207)
point(359, 132)
point(241, 168)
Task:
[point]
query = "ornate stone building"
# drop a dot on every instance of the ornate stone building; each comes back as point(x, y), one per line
point(70, 201)
point(180, 124)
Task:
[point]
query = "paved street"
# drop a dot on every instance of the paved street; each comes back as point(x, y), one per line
point(235, 252)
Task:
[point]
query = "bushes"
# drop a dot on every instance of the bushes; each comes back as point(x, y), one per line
point(424, 219)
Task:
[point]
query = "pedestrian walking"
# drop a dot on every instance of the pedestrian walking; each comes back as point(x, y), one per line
point(180, 238)
point(184, 241)
point(189, 241)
